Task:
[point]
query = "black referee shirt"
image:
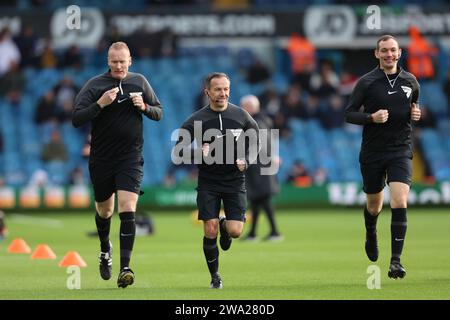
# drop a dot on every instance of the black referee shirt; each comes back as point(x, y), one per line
point(117, 129)
point(232, 124)
point(374, 91)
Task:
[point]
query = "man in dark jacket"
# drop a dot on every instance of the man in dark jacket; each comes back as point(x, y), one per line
point(261, 187)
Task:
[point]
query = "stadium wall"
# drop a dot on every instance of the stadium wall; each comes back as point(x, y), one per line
point(333, 194)
point(326, 26)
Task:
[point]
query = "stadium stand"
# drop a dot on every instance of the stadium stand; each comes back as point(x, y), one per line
point(335, 150)
point(178, 79)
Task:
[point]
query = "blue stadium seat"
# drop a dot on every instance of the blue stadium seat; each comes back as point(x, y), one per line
point(15, 178)
point(280, 82)
point(433, 96)
point(57, 172)
point(245, 58)
point(444, 125)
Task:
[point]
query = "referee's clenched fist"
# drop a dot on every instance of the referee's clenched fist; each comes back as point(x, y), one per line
point(108, 97)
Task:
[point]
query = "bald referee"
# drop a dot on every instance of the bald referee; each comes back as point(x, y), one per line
point(115, 103)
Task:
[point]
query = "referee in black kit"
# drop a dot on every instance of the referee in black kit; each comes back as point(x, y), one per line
point(389, 98)
point(220, 128)
point(115, 103)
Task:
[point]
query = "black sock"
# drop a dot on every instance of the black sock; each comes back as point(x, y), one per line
point(398, 232)
point(370, 222)
point(127, 235)
point(103, 226)
point(211, 254)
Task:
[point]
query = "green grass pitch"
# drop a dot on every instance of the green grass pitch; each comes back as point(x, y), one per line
point(321, 257)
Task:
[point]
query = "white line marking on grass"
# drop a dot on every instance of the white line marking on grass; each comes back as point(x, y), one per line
point(44, 222)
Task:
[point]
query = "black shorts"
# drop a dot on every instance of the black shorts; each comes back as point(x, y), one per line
point(107, 178)
point(209, 202)
point(375, 175)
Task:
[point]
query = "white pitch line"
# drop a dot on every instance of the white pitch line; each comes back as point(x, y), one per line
point(26, 219)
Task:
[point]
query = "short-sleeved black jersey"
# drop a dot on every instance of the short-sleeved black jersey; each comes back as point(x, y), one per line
point(117, 129)
point(374, 91)
point(231, 125)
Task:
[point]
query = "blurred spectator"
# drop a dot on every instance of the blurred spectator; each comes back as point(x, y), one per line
point(245, 58)
point(39, 178)
point(55, 149)
point(347, 83)
point(293, 105)
point(142, 43)
point(13, 83)
point(65, 112)
point(281, 123)
point(47, 58)
point(298, 175)
point(72, 58)
point(326, 82)
point(27, 43)
point(46, 109)
point(113, 35)
point(169, 179)
point(261, 187)
point(311, 109)
point(320, 177)
point(65, 92)
point(333, 115)
point(420, 55)
point(303, 59)
point(101, 51)
point(155, 45)
point(201, 100)
point(270, 102)
point(257, 72)
point(76, 177)
point(9, 52)
point(168, 43)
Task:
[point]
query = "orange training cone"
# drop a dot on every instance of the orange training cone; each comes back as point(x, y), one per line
point(43, 251)
point(72, 258)
point(19, 245)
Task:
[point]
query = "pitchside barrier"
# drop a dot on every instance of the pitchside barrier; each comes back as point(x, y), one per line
point(332, 194)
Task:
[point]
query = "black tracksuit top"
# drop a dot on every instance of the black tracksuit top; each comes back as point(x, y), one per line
point(117, 129)
point(395, 93)
point(231, 122)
